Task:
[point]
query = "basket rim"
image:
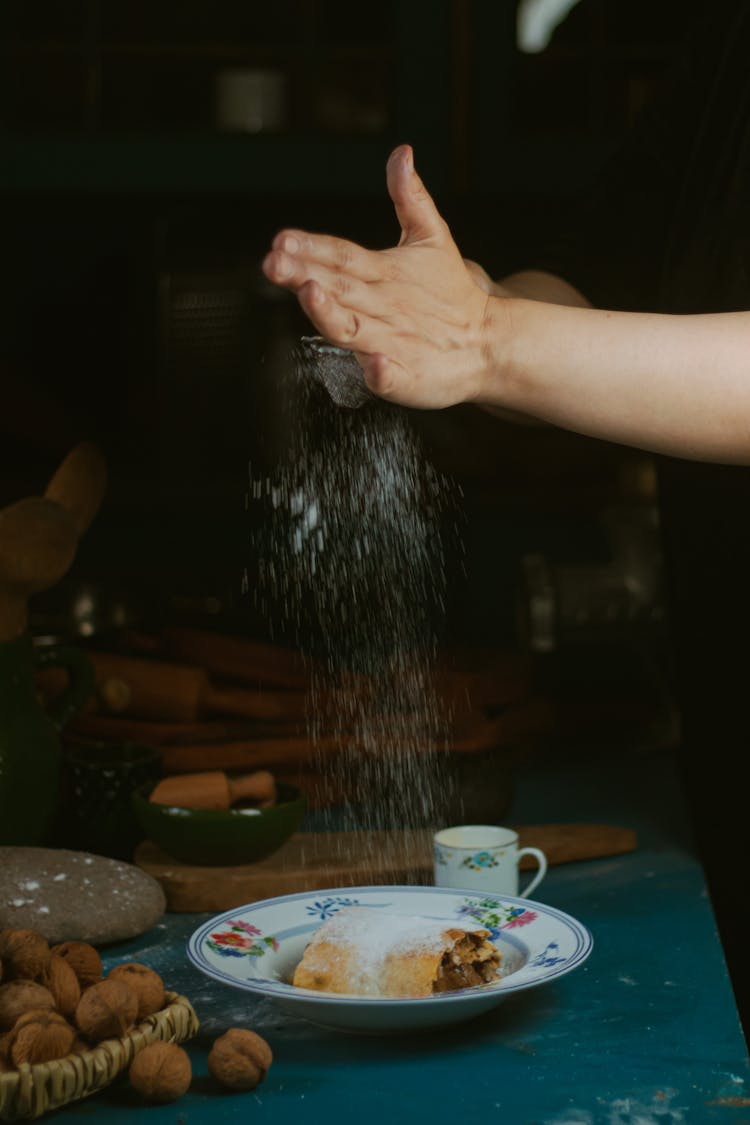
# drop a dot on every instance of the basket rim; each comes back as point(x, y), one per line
point(28, 1091)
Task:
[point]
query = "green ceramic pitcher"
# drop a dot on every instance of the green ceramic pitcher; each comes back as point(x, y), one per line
point(30, 750)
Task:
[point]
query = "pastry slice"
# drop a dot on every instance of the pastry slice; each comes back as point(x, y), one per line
point(365, 952)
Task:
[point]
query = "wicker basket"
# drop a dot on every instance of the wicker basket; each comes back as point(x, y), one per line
point(31, 1091)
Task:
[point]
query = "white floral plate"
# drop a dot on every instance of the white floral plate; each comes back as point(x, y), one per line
point(258, 947)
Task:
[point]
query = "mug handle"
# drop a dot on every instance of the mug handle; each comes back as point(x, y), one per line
point(81, 676)
point(541, 860)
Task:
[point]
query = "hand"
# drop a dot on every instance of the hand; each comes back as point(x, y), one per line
point(416, 315)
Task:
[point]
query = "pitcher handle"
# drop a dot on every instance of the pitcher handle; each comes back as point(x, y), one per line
point(81, 680)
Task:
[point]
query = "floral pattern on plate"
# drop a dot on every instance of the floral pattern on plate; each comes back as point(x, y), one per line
point(326, 907)
point(241, 940)
point(547, 957)
point(496, 916)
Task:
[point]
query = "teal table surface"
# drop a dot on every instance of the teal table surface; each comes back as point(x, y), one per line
point(645, 1033)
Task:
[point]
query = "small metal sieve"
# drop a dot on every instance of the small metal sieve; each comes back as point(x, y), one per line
point(337, 369)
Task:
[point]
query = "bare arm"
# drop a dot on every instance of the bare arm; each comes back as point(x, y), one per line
point(678, 385)
point(670, 384)
point(429, 333)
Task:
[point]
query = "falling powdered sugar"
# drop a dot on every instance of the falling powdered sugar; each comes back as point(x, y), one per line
point(349, 564)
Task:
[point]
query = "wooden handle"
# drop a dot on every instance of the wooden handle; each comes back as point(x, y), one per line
point(474, 735)
point(259, 786)
point(39, 535)
point(193, 791)
point(295, 752)
point(156, 689)
point(254, 704)
point(237, 658)
point(214, 790)
point(476, 679)
point(38, 541)
point(161, 734)
point(79, 484)
point(150, 689)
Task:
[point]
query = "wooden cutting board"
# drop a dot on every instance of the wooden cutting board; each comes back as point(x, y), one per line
point(312, 861)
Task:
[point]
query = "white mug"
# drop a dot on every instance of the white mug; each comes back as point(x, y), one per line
point(483, 857)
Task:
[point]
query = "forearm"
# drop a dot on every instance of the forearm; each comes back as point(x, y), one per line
point(532, 285)
point(678, 385)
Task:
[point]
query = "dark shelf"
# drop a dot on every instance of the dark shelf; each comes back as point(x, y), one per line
point(281, 52)
point(170, 164)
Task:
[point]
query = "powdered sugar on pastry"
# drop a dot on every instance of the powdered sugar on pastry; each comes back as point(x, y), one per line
point(368, 952)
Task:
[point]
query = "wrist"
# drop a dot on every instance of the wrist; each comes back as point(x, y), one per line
point(501, 348)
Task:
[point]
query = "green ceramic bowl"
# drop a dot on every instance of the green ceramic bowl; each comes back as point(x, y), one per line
point(219, 837)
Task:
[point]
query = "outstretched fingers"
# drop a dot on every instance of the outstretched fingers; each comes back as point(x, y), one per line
point(319, 251)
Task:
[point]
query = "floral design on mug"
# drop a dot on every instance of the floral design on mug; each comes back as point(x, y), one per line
point(496, 916)
point(482, 860)
point(240, 941)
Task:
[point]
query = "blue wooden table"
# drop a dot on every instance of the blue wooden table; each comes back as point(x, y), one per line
point(645, 1033)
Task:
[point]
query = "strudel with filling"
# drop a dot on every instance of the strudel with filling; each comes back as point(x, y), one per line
point(364, 951)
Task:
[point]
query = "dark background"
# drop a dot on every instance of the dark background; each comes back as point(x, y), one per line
point(134, 312)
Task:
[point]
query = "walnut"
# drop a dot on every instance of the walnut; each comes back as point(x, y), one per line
point(24, 953)
point(83, 960)
point(40, 1036)
point(240, 1059)
point(20, 996)
point(62, 982)
point(106, 1010)
point(161, 1072)
point(146, 984)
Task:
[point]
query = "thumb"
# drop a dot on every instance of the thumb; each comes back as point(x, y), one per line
point(415, 209)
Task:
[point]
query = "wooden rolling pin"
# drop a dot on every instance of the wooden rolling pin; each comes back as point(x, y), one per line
point(477, 679)
point(473, 735)
point(214, 790)
point(154, 689)
point(237, 658)
point(291, 752)
point(116, 727)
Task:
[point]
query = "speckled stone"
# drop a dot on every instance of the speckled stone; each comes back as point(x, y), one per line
point(74, 896)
